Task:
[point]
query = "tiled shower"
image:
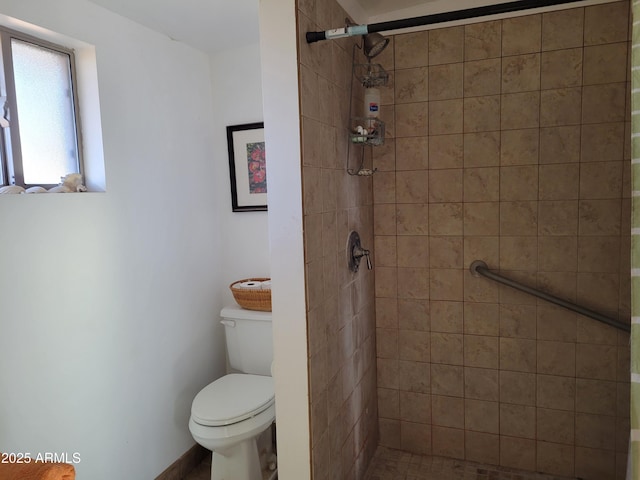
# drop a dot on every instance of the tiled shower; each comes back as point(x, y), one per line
point(506, 141)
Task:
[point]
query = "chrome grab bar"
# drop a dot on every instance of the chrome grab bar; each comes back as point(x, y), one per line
point(479, 268)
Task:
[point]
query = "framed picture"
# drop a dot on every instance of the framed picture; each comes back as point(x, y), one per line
point(247, 167)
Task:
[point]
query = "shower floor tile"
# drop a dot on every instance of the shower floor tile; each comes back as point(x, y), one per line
point(389, 464)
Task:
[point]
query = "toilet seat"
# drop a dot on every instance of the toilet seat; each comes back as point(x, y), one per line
point(232, 399)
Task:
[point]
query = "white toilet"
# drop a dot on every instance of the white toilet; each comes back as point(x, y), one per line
point(229, 414)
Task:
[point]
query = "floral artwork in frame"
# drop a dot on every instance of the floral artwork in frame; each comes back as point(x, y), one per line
point(247, 167)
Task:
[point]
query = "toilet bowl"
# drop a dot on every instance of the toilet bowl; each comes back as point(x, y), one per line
point(226, 417)
point(229, 414)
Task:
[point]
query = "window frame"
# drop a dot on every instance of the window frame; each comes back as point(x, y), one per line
point(11, 168)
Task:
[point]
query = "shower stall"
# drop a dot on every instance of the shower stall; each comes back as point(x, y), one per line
point(507, 141)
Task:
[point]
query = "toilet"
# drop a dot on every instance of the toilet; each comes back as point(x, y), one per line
point(228, 415)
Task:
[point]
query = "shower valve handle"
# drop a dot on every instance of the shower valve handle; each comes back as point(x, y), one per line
point(355, 252)
point(359, 252)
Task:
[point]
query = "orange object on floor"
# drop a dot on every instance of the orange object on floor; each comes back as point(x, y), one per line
point(37, 471)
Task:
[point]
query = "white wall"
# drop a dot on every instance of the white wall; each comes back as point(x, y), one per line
point(237, 99)
point(282, 131)
point(108, 300)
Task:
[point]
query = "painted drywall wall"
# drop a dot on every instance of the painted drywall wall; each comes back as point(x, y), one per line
point(109, 299)
point(282, 129)
point(237, 100)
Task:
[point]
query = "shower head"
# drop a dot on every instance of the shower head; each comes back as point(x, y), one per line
point(374, 44)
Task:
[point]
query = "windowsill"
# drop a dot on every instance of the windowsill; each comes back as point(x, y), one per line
point(47, 194)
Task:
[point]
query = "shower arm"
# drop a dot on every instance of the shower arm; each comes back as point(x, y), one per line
point(496, 9)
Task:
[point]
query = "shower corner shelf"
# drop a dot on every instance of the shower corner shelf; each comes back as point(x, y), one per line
point(367, 131)
point(371, 75)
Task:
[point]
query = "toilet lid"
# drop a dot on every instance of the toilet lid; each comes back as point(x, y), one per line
point(231, 399)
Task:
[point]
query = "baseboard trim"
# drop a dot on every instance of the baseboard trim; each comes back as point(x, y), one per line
point(179, 469)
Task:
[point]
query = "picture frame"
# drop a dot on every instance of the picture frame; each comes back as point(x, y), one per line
point(247, 167)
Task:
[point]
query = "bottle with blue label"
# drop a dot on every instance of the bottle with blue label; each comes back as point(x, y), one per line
point(372, 102)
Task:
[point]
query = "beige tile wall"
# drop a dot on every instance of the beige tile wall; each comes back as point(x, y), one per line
point(507, 142)
point(341, 305)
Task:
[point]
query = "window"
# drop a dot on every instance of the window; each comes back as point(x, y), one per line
point(39, 142)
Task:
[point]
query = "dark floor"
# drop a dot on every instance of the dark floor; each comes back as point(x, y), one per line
point(203, 472)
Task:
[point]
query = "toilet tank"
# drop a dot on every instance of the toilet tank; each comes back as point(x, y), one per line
point(249, 340)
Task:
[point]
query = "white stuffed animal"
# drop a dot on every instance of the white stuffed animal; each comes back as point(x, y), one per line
point(70, 183)
point(36, 190)
point(9, 189)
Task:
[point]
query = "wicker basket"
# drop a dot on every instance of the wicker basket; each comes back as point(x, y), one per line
point(252, 299)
